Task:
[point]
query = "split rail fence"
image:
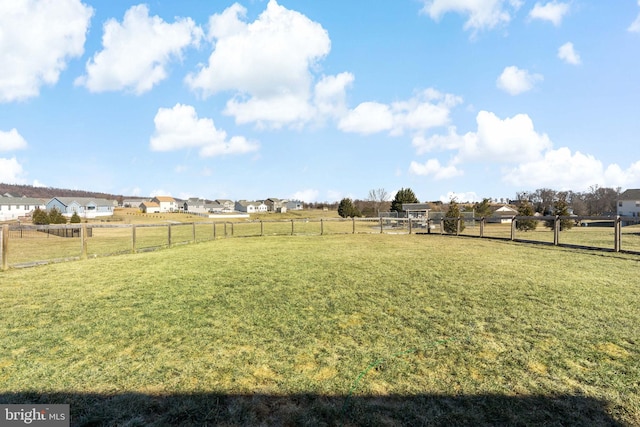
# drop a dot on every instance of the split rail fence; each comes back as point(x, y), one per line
point(28, 245)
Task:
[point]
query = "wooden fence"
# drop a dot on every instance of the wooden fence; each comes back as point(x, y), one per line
point(25, 245)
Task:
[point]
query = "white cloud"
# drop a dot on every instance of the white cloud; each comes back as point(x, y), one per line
point(308, 195)
point(635, 25)
point(367, 118)
point(426, 110)
point(526, 158)
point(482, 14)
point(496, 140)
point(515, 81)
point(12, 140)
point(565, 170)
point(433, 168)
point(268, 65)
point(179, 127)
point(160, 192)
point(451, 141)
point(509, 140)
point(37, 39)
point(11, 171)
point(567, 53)
point(137, 52)
point(467, 197)
point(552, 12)
point(330, 94)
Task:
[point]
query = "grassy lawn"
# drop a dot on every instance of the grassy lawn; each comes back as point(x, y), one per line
point(333, 330)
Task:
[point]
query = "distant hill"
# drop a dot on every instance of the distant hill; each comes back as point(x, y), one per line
point(50, 192)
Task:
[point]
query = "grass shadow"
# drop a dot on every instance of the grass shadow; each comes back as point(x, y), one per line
point(139, 409)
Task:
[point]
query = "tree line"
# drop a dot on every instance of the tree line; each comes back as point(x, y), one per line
point(597, 201)
point(54, 216)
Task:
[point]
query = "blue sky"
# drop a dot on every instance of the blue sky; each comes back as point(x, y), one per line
point(320, 100)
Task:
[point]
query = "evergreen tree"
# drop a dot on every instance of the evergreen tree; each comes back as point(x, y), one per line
point(404, 195)
point(40, 217)
point(55, 217)
point(482, 209)
point(525, 209)
point(561, 208)
point(75, 218)
point(451, 225)
point(346, 209)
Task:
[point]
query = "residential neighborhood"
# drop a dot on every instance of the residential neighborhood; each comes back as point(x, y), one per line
point(15, 207)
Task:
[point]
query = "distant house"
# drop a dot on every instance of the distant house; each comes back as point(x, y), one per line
point(149, 207)
point(214, 207)
point(629, 204)
point(227, 205)
point(166, 203)
point(195, 205)
point(503, 214)
point(12, 208)
point(294, 205)
point(250, 207)
point(274, 204)
point(133, 202)
point(85, 207)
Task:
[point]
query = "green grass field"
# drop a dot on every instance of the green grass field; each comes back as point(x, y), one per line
point(365, 329)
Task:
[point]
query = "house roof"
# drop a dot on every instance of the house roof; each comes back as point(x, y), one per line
point(83, 201)
point(20, 201)
point(631, 194)
point(150, 204)
point(164, 199)
point(505, 210)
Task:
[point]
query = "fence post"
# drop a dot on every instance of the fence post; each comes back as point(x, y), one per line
point(231, 229)
point(513, 228)
point(214, 230)
point(321, 226)
point(458, 226)
point(4, 246)
point(409, 219)
point(194, 232)
point(169, 235)
point(225, 229)
point(292, 226)
point(442, 225)
point(83, 240)
point(380, 225)
point(133, 238)
point(261, 228)
point(482, 227)
point(617, 242)
point(556, 230)
point(353, 225)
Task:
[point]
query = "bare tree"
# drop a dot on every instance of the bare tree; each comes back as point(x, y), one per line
point(379, 197)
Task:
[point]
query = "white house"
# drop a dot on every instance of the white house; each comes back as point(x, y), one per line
point(85, 207)
point(251, 207)
point(12, 208)
point(166, 203)
point(629, 204)
point(503, 215)
point(149, 207)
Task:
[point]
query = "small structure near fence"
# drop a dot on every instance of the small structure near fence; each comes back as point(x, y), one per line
point(187, 232)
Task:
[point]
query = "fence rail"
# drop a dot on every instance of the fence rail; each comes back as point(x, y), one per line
point(27, 245)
